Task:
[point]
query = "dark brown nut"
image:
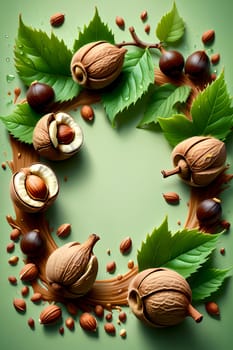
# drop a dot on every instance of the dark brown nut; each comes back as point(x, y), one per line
point(110, 328)
point(57, 19)
point(64, 230)
point(171, 197)
point(108, 317)
point(61, 330)
point(88, 322)
point(40, 96)
point(97, 64)
point(87, 113)
point(29, 272)
point(50, 314)
point(126, 245)
point(208, 36)
point(19, 304)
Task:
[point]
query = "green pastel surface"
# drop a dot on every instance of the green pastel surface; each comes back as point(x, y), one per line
point(114, 185)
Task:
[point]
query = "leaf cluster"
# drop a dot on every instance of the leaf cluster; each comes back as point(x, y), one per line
point(187, 252)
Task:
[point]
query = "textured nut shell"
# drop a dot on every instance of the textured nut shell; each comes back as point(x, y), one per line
point(42, 139)
point(100, 63)
point(19, 193)
point(205, 157)
point(73, 267)
point(88, 322)
point(159, 297)
point(200, 152)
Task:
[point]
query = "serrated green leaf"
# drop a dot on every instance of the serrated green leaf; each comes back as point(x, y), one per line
point(45, 59)
point(176, 128)
point(164, 102)
point(207, 282)
point(185, 251)
point(21, 122)
point(96, 30)
point(211, 113)
point(171, 26)
point(137, 74)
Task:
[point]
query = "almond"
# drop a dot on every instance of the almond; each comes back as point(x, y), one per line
point(215, 58)
point(111, 267)
point(171, 197)
point(208, 36)
point(57, 19)
point(50, 314)
point(19, 304)
point(36, 297)
point(29, 272)
point(13, 260)
point(120, 22)
point(87, 112)
point(88, 322)
point(125, 245)
point(63, 230)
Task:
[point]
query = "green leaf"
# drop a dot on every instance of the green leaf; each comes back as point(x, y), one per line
point(164, 102)
point(185, 251)
point(176, 128)
point(95, 31)
point(137, 74)
point(21, 122)
point(45, 59)
point(171, 26)
point(211, 113)
point(206, 282)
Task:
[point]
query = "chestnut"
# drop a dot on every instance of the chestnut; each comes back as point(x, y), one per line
point(197, 65)
point(171, 62)
point(209, 212)
point(31, 243)
point(40, 96)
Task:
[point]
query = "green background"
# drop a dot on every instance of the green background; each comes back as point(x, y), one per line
point(114, 185)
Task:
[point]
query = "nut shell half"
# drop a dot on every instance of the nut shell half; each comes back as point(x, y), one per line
point(23, 199)
point(47, 140)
